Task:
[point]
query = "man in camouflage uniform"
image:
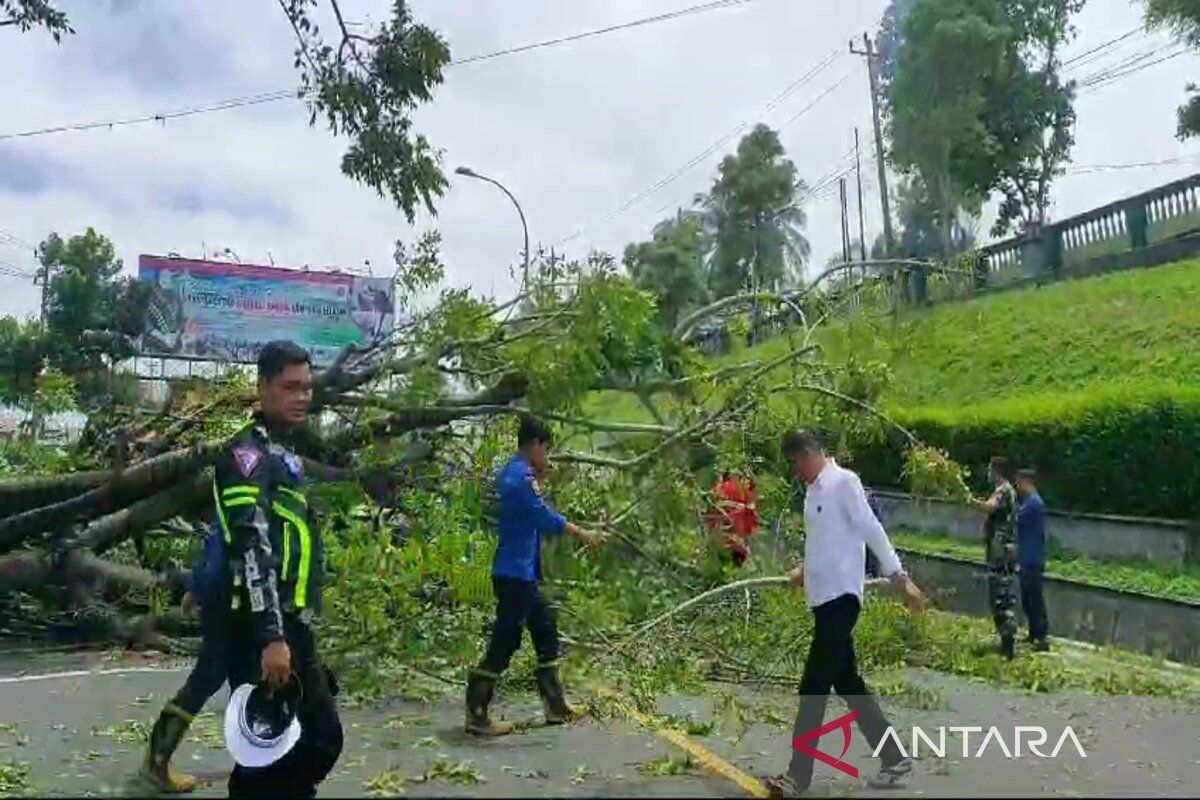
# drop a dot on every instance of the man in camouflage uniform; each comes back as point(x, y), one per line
point(1000, 543)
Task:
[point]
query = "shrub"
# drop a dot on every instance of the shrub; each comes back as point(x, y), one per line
point(1122, 450)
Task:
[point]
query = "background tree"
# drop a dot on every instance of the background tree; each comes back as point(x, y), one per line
point(949, 53)
point(888, 40)
point(1182, 17)
point(757, 221)
point(22, 350)
point(998, 121)
point(671, 266)
point(1030, 113)
point(94, 316)
point(919, 231)
point(27, 14)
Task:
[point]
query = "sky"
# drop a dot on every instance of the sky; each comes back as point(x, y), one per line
point(576, 131)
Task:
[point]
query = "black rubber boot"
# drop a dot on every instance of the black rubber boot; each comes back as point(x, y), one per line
point(1008, 647)
point(165, 736)
point(554, 701)
point(480, 688)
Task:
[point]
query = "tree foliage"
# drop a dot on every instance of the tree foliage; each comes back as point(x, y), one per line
point(1181, 17)
point(1030, 111)
point(29, 14)
point(757, 220)
point(671, 266)
point(950, 50)
point(366, 87)
point(93, 319)
point(977, 104)
point(919, 233)
point(93, 315)
point(888, 40)
point(21, 354)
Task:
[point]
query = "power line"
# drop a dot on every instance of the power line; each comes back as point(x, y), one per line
point(1083, 169)
point(12, 270)
point(1117, 66)
point(574, 37)
point(813, 103)
point(162, 116)
point(790, 89)
point(284, 94)
point(15, 240)
point(1091, 55)
point(1113, 77)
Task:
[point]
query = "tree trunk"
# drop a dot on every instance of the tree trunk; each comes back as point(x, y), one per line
point(40, 490)
point(146, 478)
point(106, 532)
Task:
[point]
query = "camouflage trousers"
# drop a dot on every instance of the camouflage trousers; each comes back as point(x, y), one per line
point(1002, 596)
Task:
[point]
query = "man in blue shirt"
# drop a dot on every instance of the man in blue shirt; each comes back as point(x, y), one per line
point(1031, 557)
point(524, 518)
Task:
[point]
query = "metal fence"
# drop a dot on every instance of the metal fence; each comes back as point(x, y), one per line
point(1155, 227)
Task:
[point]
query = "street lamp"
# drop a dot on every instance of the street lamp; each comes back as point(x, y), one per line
point(470, 173)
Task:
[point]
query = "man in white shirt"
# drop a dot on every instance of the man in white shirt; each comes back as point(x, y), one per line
point(839, 525)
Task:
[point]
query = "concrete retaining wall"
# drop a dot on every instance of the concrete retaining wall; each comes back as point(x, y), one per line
point(1159, 627)
point(1166, 542)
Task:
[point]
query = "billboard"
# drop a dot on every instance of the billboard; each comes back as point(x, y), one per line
point(226, 312)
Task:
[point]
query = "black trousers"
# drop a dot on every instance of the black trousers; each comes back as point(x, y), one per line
point(519, 605)
point(832, 664)
point(1033, 601)
point(209, 672)
point(299, 772)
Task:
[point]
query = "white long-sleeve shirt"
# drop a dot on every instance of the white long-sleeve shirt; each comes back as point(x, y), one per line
point(838, 526)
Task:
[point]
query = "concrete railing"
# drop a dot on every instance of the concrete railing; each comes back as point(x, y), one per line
point(1166, 542)
point(1157, 626)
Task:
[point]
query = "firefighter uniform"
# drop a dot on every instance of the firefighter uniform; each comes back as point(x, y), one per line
point(1000, 535)
point(275, 574)
point(524, 517)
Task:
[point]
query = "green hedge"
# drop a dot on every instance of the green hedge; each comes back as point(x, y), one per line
point(1132, 450)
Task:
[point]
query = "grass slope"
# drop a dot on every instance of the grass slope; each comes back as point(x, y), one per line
point(1129, 327)
point(1128, 331)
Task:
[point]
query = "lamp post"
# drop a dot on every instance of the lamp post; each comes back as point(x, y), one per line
point(470, 173)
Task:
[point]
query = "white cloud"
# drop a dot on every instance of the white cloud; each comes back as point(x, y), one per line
point(574, 130)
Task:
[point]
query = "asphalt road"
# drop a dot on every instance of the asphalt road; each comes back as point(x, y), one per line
point(83, 735)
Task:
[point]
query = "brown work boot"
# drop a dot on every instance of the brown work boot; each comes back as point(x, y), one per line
point(165, 737)
point(480, 688)
point(554, 701)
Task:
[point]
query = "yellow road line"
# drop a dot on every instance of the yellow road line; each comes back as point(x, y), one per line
point(705, 757)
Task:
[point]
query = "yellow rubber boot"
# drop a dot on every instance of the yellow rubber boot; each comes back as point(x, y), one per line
point(165, 737)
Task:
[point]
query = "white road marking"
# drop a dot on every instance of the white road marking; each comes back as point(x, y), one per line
point(84, 673)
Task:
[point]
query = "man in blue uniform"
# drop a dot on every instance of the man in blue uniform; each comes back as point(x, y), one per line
point(524, 518)
point(1031, 557)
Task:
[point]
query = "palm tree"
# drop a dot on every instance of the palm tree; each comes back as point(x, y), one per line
point(756, 218)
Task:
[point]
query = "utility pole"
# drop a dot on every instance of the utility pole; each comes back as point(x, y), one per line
point(42, 277)
point(845, 222)
point(862, 225)
point(873, 75)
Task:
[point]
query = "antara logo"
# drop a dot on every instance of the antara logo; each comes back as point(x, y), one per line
point(1037, 734)
point(1031, 736)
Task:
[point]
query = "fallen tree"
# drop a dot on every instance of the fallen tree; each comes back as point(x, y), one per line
point(424, 409)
